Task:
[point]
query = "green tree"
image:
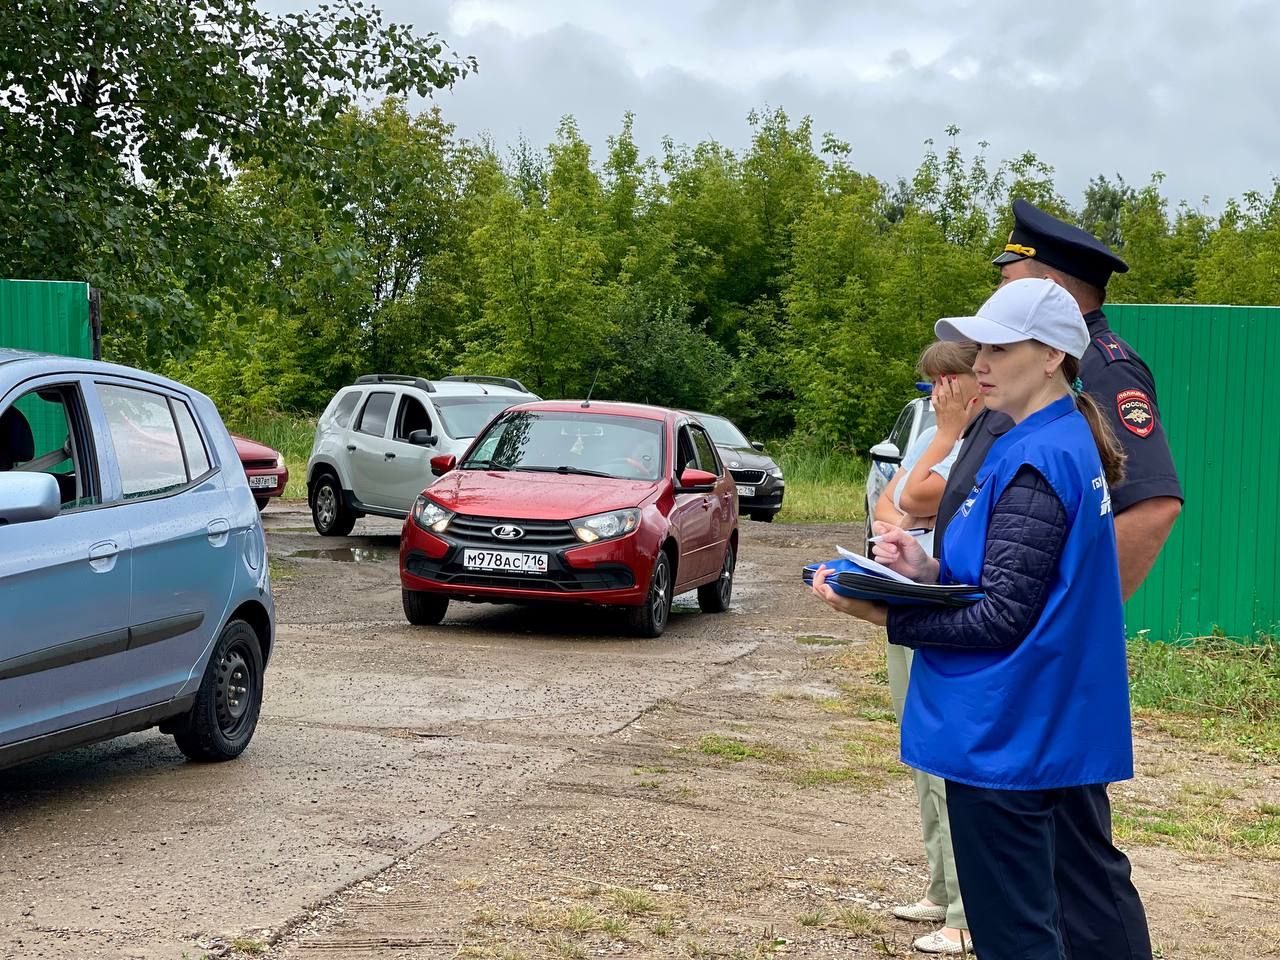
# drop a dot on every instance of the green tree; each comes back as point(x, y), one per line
point(123, 119)
point(545, 315)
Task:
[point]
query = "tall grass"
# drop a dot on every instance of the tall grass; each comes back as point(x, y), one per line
point(291, 435)
point(1212, 689)
point(823, 485)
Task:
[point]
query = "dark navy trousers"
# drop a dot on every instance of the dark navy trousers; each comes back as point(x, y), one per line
point(1040, 876)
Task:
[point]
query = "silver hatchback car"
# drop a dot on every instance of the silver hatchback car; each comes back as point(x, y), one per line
point(133, 571)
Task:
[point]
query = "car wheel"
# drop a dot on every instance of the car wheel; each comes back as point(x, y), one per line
point(714, 597)
point(261, 502)
point(866, 536)
point(221, 723)
point(423, 609)
point(764, 516)
point(331, 516)
point(650, 618)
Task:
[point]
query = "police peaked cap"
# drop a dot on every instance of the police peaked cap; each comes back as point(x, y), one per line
point(1060, 245)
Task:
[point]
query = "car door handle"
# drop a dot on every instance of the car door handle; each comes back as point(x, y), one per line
point(351, 448)
point(219, 530)
point(102, 555)
point(388, 456)
point(706, 504)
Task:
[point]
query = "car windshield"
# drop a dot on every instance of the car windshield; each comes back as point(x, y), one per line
point(465, 417)
point(595, 444)
point(723, 433)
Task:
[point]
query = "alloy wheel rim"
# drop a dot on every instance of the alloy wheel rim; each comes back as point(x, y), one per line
point(726, 578)
point(326, 505)
point(658, 600)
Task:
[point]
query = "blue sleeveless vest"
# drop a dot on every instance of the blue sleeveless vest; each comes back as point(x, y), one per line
point(1054, 711)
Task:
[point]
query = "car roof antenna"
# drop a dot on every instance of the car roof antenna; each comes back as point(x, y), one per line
point(587, 402)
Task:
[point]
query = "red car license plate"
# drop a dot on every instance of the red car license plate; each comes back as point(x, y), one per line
point(504, 560)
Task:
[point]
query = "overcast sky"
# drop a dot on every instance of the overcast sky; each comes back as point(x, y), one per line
point(1128, 86)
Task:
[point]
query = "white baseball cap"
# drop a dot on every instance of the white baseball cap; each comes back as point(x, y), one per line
point(1028, 309)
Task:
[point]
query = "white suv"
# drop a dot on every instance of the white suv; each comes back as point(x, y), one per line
point(916, 417)
point(375, 440)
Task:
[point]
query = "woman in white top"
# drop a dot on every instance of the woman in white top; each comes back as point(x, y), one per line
point(911, 500)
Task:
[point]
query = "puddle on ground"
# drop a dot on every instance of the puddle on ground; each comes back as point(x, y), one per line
point(823, 640)
point(347, 555)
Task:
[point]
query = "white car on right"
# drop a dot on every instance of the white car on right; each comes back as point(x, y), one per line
point(916, 417)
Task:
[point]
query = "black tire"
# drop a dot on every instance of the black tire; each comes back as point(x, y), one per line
point(714, 597)
point(424, 609)
point(764, 516)
point(261, 502)
point(329, 511)
point(225, 714)
point(650, 618)
point(866, 537)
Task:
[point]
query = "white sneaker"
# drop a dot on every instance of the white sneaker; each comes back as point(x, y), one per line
point(936, 943)
point(921, 912)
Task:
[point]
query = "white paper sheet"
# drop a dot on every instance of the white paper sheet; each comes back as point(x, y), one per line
point(871, 566)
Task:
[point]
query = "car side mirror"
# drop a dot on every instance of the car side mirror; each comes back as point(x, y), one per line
point(422, 438)
point(442, 464)
point(886, 452)
point(25, 497)
point(757, 445)
point(696, 481)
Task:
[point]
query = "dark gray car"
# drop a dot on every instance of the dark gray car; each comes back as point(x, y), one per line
point(759, 478)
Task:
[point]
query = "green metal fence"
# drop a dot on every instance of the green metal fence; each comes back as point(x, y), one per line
point(1220, 568)
point(48, 317)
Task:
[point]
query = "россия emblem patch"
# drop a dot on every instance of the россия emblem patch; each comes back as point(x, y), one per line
point(1137, 412)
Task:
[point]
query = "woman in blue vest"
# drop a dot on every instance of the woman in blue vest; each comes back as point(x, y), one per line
point(1022, 697)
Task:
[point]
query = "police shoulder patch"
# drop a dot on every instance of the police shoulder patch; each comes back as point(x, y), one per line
point(1137, 412)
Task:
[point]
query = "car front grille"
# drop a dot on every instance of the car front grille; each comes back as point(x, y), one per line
point(537, 533)
point(747, 476)
point(259, 464)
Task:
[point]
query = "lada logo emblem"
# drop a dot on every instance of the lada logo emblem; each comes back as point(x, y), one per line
point(508, 531)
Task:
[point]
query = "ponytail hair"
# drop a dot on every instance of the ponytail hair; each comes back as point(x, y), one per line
point(1109, 448)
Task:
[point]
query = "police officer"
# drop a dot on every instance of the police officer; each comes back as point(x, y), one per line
point(1093, 876)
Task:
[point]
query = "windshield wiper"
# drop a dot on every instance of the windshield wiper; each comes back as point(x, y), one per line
point(484, 465)
point(567, 469)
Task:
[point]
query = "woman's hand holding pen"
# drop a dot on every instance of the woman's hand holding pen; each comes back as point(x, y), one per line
point(901, 552)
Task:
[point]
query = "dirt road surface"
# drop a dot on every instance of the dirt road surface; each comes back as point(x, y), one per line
point(533, 783)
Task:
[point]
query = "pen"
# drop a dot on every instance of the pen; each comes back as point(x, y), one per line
point(914, 532)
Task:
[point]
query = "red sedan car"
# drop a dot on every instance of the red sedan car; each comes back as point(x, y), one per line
point(602, 503)
point(264, 467)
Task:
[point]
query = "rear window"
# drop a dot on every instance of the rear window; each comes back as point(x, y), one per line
point(342, 412)
point(148, 451)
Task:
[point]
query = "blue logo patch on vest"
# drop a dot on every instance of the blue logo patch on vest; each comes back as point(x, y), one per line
point(968, 504)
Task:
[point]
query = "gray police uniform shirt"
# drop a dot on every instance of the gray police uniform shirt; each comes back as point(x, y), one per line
point(1123, 387)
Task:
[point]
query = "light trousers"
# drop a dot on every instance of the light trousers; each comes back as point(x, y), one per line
point(931, 796)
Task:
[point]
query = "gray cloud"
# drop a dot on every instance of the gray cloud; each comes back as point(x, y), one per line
point(1091, 87)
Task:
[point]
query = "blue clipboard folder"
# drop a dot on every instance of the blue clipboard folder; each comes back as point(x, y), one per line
point(855, 576)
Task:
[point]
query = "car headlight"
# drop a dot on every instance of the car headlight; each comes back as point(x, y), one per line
point(606, 526)
point(775, 471)
point(279, 461)
point(430, 516)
